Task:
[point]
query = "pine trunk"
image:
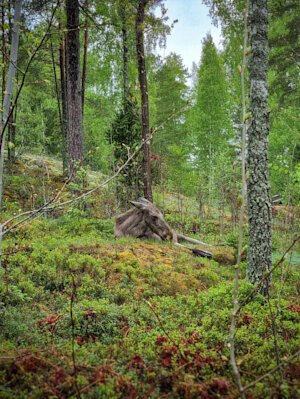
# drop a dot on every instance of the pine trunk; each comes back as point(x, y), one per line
point(259, 207)
point(74, 88)
point(86, 36)
point(64, 105)
point(144, 99)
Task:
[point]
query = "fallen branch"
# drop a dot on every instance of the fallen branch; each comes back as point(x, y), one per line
point(289, 360)
point(29, 352)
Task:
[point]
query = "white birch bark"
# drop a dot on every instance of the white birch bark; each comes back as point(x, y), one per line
point(8, 95)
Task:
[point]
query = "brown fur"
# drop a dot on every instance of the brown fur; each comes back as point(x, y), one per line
point(143, 221)
point(146, 221)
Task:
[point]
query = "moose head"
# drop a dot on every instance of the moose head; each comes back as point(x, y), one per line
point(143, 221)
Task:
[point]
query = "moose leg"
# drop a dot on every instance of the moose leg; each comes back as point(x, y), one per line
point(181, 238)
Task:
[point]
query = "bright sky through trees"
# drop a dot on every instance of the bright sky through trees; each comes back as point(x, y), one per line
point(192, 26)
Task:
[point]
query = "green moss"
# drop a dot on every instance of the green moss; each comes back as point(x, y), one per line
point(149, 319)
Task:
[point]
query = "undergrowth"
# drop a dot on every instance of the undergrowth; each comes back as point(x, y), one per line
point(85, 315)
point(150, 320)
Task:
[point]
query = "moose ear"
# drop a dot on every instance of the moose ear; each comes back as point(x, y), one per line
point(138, 205)
point(145, 201)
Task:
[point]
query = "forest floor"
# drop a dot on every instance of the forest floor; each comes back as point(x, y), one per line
point(85, 315)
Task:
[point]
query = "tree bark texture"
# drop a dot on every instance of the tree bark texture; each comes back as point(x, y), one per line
point(259, 258)
point(9, 86)
point(64, 105)
point(144, 98)
point(85, 47)
point(3, 52)
point(8, 97)
point(11, 151)
point(74, 87)
point(125, 52)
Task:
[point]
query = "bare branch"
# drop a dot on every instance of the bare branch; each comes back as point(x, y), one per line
point(287, 361)
point(236, 288)
point(274, 329)
point(24, 75)
point(10, 61)
point(28, 352)
point(46, 207)
point(255, 289)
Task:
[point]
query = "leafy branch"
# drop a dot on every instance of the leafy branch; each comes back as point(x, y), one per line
point(31, 58)
point(48, 206)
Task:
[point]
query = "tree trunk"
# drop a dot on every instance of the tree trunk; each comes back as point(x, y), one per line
point(9, 86)
point(74, 88)
point(259, 206)
point(86, 35)
point(3, 52)
point(144, 99)
point(58, 97)
point(11, 151)
point(125, 53)
point(64, 105)
point(8, 96)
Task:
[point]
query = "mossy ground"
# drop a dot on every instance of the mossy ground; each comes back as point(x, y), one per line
point(85, 315)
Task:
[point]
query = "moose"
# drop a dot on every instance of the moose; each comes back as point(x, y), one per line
point(145, 221)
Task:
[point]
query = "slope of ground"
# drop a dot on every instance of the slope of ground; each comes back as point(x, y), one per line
point(85, 315)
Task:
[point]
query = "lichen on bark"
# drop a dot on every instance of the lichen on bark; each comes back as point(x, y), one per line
point(259, 259)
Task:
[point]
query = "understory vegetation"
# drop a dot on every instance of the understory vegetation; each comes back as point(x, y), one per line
point(95, 114)
point(85, 315)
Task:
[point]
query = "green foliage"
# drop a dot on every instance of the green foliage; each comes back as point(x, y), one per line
point(149, 320)
point(210, 117)
point(125, 136)
point(284, 153)
point(284, 51)
point(146, 308)
point(170, 144)
point(232, 238)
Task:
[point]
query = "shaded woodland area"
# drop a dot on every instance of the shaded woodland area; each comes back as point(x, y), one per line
point(102, 300)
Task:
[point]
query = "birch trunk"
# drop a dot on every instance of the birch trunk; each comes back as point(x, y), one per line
point(8, 96)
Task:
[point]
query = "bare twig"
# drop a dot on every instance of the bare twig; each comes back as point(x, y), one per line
point(235, 369)
point(255, 289)
point(25, 74)
point(14, 251)
point(163, 328)
point(12, 62)
point(73, 294)
point(29, 352)
point(46, 207)
point(287, 361)
point(32, 213)
point(274, 329)
point(55, 80)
